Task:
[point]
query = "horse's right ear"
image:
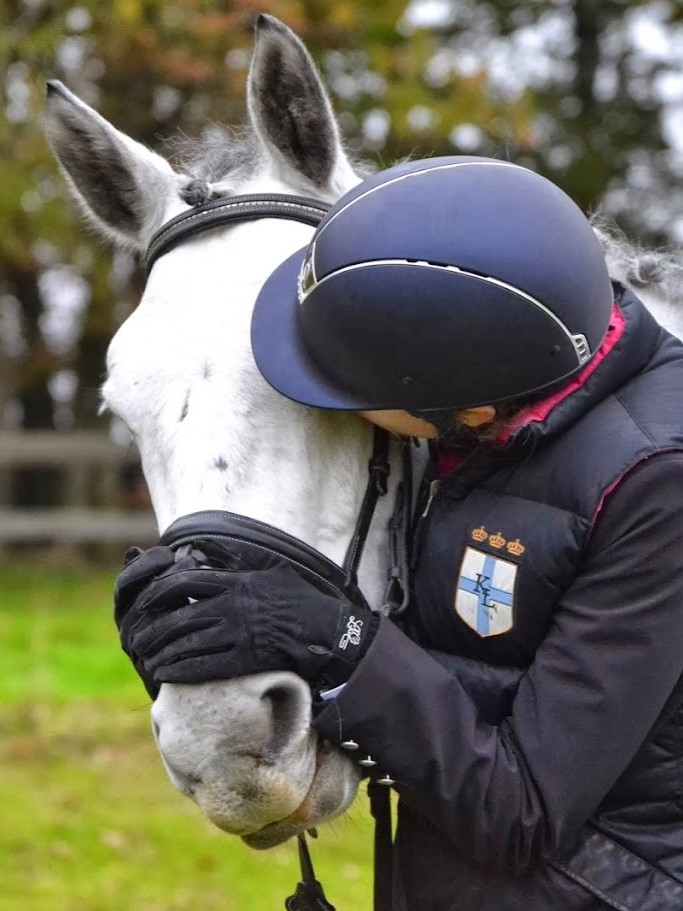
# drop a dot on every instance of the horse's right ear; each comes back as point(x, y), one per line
point(122, 187)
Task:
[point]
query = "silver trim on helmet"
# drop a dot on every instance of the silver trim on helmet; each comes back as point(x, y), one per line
point(420, 173)
point(578, 341)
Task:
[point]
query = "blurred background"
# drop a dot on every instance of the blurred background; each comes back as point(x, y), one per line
point(589, 93)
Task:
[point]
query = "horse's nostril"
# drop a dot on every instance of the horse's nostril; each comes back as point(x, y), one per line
point(156, 729)
point(277, 694)
point(288, 710)
point(186, 783)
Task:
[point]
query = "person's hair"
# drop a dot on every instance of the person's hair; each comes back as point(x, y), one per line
point(459, 434)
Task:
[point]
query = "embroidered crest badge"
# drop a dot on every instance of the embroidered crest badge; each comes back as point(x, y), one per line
point(484, 596)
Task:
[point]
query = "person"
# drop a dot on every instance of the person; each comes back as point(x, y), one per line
point(467, 301)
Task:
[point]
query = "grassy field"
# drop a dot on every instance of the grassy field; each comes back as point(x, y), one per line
point(88, 820)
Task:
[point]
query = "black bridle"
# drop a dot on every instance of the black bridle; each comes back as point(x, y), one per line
point(227, 210)
point(343, 581)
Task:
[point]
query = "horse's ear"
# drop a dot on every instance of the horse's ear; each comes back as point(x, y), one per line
point(122, 187)
point(291, 112)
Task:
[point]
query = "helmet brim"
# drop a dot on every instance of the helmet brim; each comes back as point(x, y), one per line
point(278, 347)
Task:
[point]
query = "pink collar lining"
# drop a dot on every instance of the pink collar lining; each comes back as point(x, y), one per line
point(539, 411)
point(449, 460)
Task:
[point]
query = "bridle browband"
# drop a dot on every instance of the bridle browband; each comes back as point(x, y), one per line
point(227, 210)
point(227, 526)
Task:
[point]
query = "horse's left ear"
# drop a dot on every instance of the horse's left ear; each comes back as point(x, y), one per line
point(122, 187)
point(291, 112)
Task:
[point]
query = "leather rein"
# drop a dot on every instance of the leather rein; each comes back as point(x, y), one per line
point(341, 581)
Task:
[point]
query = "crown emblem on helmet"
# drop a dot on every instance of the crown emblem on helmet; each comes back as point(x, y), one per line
point(480, 534)
point(497, 540)
point(516, 548)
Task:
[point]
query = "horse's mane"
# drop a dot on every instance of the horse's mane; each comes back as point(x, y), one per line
point(651, 271)
point(223, 154)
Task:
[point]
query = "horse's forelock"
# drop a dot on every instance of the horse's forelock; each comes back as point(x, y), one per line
point(219, 154)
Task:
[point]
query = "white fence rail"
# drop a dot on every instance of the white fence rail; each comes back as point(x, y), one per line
point(89, 466)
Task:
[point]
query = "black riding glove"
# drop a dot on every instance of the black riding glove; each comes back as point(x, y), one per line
point(182, 621)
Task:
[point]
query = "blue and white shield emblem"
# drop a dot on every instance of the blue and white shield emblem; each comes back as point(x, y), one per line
point(484, 596)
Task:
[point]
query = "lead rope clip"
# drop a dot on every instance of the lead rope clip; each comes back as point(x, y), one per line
point(309, 895)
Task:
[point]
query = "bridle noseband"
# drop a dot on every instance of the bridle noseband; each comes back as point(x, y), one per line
point(228, 526)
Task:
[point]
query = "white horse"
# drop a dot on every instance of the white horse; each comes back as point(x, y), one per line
point(213, 435)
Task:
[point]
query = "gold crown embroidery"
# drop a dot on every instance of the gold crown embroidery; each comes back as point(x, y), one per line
point(480, 534)
point(497, 541)
point(516, 548)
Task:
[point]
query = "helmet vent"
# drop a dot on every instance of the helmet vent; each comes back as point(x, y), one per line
point(582, 347)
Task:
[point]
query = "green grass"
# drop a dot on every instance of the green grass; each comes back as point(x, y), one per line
point(88, 820)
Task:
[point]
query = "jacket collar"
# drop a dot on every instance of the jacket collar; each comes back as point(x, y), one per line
point(637, 336)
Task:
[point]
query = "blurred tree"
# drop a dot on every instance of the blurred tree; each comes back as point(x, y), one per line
point(585, 92)
point(588, 93)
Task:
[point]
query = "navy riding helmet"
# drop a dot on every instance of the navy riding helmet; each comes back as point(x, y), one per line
point(437, 284)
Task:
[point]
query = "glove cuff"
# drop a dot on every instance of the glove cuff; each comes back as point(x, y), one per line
point(355, 633)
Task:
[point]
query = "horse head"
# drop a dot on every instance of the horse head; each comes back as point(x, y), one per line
point(211, 433)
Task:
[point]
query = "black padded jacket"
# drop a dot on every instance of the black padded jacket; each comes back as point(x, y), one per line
point(558, 786)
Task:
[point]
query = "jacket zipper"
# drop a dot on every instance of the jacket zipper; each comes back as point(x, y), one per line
point(433, 490)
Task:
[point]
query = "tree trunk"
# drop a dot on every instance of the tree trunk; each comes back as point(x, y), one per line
point(33, 487)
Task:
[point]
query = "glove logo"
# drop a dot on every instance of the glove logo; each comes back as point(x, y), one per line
point(352, 634)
